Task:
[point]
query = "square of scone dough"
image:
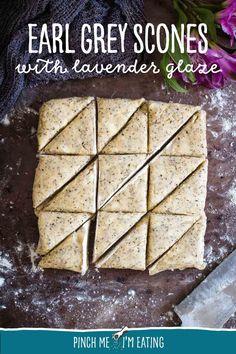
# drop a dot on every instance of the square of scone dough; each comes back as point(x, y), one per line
point(165, 119)
point(132, 197)
point(70, 254)
point(54, 227)
point(191, 139)
point(188, 252)
point(133, 137)
point(79, 195)
point(110, 227)
point(167, 173)
point(53, 172)
point(114, 172)
point(78, 137)
point(164, 231)
point(130, 252)
point(55, 114)
point(189, 197)
point(113, 114)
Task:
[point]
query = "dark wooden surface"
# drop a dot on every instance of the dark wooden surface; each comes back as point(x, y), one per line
point(105, 298)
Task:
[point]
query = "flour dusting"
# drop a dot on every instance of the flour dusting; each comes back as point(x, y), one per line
point(5, 263)
point(5, 121)
point(223, 111)
point(33, 258)
point(131, 293)
point(101, 298)
point(232, 194)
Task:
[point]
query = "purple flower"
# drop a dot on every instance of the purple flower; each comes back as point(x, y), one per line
point(226, 65)
point(227, 19)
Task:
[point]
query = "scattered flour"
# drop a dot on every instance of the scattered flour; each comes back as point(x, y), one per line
point(5, 264)
point(221, 101)
point(33, 257)
point(32, 130)
point(5, 121)
point(110, 301)
point(232, 194)
point(227, 125)
point(20, 246)
point(218, 99)
point(131, 293)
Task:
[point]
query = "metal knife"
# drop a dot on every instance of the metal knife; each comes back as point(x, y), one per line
point(213, 301)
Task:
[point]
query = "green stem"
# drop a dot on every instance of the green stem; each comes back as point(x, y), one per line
point(192, 15)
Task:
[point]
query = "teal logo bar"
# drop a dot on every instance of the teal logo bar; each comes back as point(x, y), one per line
point(164, 341)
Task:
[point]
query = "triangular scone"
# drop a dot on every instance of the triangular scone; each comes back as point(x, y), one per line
point(55, 114)
point(53, 172)
point(70, 254)
point(78, 137)
point(114, 171)
point(132, 197)
point(165, 120)
point(79, 196)
point(55, 226)
point(130, 252)
point(133, 137)
point(189, 197)
point(191, 140)
point(188, 252)
point(113, 114)
point(110, 227)
point(166, 173)
point(164, 231)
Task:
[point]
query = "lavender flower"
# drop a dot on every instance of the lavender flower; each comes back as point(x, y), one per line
point(227, 19)
point(215, 55)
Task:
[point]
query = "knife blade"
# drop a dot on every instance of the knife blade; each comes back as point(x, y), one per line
point(213, 301)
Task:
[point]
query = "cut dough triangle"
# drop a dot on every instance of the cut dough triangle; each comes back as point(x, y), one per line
point(130, 253)
point(191, 140)
point(110, 228)
point(113, 114)
point(78, 137)
point(188, 252)
point(133, 137)
point(165, 120)
point(56, 114)
point(132, 197)
point(164, 231)
point(166, 173)
point(114, 171)
point(71, 254)
point(55, 226)
point(79, 196)
point(53, 172)
point(189, 197)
